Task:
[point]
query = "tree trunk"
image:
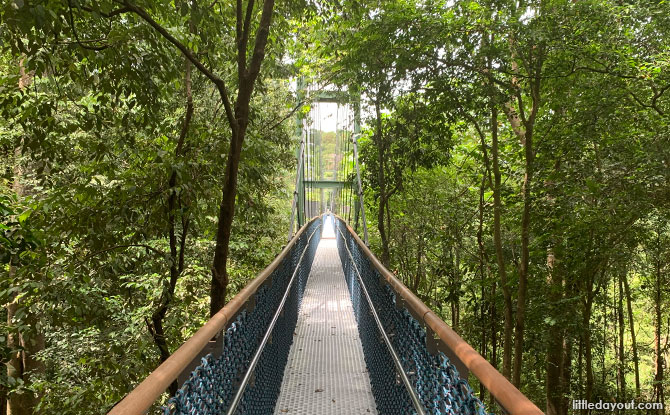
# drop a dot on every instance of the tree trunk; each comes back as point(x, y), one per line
point(22, 364)
point(523, 126)
point(381, 178)
point(226, 212)
point(176, 248)
point(556, 365)
point(456, 287)
point(497, 238)
point(247, 76)
point(482, 256)
point(24, 345)
point(588, 353)
point(622, 361)
point(555, 337)
point(494, 334)
point(566, 374)
point(419, 264)
point(658, 323)
point(631, 321)
point(525, 261)
point(3, 387)
point(604, 344)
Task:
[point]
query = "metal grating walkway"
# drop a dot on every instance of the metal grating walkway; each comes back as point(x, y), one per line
point(325, 373)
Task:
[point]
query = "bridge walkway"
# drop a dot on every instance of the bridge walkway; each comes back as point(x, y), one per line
point(326, 372)
point(296, 341)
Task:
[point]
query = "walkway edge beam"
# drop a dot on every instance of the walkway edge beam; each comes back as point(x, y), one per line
point(508, 397)
point(140, 399)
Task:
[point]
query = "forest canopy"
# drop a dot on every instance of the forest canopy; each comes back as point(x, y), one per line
point(515, 160)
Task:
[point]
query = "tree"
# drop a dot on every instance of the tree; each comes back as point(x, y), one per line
point(126, 169)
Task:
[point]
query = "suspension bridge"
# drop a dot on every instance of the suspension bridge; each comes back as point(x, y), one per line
point(325, 328)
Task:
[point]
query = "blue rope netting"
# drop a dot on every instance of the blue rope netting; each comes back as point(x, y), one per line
point(435, 379)
point(212, 384)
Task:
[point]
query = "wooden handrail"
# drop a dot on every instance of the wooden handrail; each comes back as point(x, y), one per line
point(140, 399)
point(508, 397)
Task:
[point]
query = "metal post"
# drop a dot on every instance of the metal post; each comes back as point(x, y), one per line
point(357, 116)
point(360, 190)
point(357, 212)
point(297, 188)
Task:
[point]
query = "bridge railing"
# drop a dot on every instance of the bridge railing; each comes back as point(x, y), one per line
point(211, 365)
point(435, 359)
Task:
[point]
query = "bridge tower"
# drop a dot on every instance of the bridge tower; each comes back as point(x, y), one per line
point(327, 169)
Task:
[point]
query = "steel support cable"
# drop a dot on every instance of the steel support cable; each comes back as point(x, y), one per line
point(339, 201)
point(311, 183)
point(349, 202)
point(345, 166)
point(317, 205)
point(396, 360)
point(338, 156)
point(294, 206)
point(360, 188)
point(317, 125)
point(304, 194)
point(345, 158)
point(317, 152)
point(352, 201)
point(348, 175)
point(254, 361)
point(311, 165)
point(320, 176)
point(354, 158)
point(340, 144)
point(308, 188)
point(307, 160)
point(336, 169)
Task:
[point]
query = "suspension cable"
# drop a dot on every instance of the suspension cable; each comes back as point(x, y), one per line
point(351, 166)
point(343, 168)
point(336, 169)
point(352, 202)
point(348, 172)
point(309, 164)
point(309, 167)
point(304, 196)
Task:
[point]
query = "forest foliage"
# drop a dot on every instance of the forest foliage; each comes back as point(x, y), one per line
point(515, 159)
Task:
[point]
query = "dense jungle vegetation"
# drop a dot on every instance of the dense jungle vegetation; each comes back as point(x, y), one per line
point(515, 156)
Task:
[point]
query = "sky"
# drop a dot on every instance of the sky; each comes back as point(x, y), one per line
point(326, 113)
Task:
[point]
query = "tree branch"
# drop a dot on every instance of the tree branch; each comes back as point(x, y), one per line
point(261, 41)
point(604, 71)
point(284, 118)
point(485, 154)
point(102, 251)
point(245, 31)
point(185, 222)
point(657, 95)
point(76, 35)
point(113, 13)
point(241, 60)
point(514, 120)
point(220, 84)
